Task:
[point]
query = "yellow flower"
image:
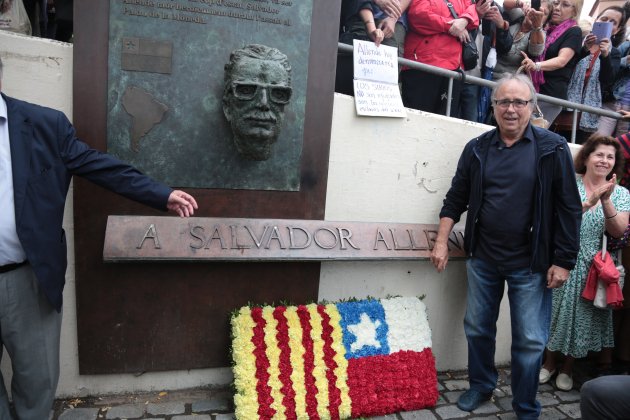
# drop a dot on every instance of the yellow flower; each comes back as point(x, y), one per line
point(273, 354)
point(246, 398)
point(297, 360)
point(341, 371)
point(319, 371)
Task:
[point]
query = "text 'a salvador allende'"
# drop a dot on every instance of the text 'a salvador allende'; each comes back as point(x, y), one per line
point(296, 237)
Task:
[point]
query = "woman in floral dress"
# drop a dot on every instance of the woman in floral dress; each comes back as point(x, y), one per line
point(578, 327)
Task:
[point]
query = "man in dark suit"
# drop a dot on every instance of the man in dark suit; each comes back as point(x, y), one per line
point(39, 154)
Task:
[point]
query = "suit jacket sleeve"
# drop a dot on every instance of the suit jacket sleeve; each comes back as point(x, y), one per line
point(106, 170)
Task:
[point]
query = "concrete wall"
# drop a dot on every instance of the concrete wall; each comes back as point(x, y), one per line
point(381, 169)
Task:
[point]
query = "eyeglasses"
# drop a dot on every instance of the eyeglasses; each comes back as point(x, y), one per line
point(248, 91)
point(505, 103)
point(564, 5)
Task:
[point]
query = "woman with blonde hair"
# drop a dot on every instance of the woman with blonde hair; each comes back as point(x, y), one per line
point(551, 71)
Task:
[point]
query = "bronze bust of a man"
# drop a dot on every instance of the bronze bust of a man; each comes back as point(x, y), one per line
point(257, 88)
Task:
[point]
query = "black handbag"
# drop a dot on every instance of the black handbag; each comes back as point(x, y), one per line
point(470, 54)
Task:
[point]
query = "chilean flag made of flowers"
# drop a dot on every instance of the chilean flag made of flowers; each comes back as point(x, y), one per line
point(333, 361)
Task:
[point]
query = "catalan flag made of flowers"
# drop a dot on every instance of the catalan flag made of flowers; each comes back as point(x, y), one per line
point(333, 361)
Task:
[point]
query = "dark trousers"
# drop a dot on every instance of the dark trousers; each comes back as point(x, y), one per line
point(605, 398)
point(428, 92)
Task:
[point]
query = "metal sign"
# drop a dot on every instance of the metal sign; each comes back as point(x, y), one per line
point(145, 238)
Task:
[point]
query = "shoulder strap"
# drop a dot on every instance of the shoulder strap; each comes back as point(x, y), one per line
point(451, 8)
point(587, 75)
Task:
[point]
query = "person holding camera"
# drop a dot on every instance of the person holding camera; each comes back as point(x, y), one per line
point(526, 27)
point(551, 71)
point(595, 72)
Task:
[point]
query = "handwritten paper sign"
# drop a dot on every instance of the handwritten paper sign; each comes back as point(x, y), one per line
point(376, 89)
point(379, 64)
point(378, 99)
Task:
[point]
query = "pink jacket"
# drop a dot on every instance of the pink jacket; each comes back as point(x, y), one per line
point(428, 40)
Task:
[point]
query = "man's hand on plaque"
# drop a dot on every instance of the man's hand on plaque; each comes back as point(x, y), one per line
point(182, 203)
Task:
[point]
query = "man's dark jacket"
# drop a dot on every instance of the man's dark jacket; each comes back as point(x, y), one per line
point(45, 154)
point(555, 230)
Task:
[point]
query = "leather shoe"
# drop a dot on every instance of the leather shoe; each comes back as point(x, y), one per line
point(564, 382)
point(472, 399)
point(544, 376)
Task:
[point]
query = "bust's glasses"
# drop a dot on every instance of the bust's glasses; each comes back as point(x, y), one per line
point(249, 90)
point(516, 103)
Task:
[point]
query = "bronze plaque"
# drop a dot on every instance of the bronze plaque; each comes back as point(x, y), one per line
point(174, 53)
point(138, 317)
point(143, 238)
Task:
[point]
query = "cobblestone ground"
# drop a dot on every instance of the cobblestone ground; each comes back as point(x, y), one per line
point(209, 404)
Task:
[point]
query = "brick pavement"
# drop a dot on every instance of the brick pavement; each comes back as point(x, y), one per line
point(216, 404)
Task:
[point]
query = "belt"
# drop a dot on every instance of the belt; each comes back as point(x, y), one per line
point(10, 267)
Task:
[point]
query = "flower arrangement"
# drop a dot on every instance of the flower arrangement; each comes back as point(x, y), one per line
point(333, 361)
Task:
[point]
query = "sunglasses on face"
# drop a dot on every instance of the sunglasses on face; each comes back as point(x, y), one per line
point(249, 90)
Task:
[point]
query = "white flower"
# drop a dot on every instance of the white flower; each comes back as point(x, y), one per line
point(408, 325)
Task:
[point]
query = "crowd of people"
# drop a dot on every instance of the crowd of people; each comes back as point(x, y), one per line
point(548, 42)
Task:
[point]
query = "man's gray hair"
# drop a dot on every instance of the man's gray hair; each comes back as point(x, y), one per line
point(520, 78)
point(0, 68)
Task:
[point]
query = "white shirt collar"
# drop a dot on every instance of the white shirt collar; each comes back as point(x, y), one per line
point(3, 109)
point(11, 250)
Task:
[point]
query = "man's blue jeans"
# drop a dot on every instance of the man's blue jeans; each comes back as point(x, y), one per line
point(530, 313)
